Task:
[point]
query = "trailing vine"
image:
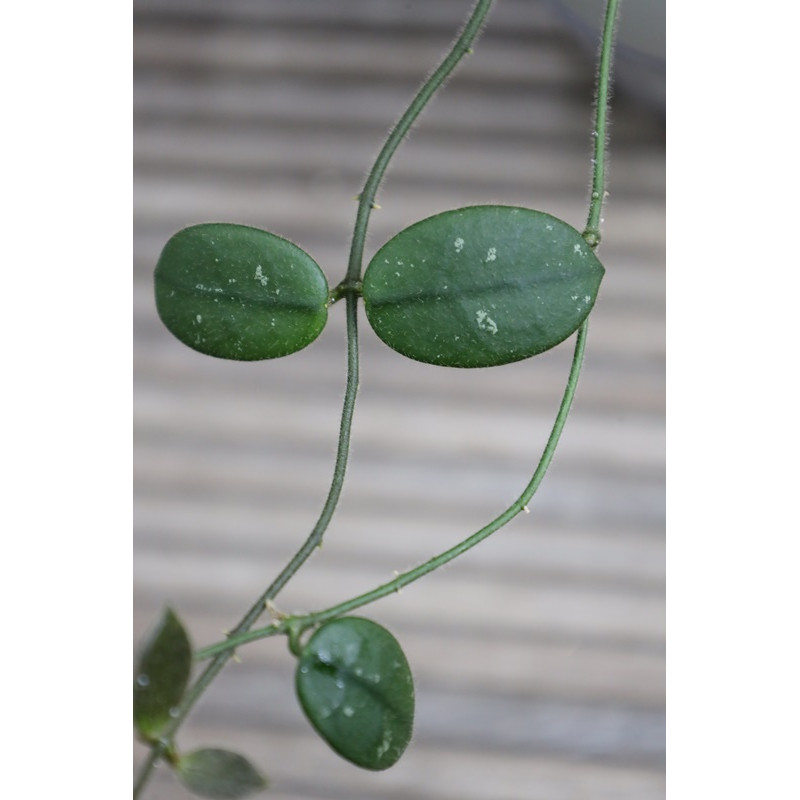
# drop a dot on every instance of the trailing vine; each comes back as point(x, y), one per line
point(474, 287)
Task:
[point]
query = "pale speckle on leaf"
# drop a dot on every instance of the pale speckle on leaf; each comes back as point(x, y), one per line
point(485, 322)
point(260, 276)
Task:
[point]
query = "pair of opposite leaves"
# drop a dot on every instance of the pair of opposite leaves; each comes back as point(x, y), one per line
point(474, 287)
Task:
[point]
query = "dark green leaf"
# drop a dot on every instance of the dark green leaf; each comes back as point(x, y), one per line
point(219, 774)
point(481, 286)
point(241, 293)
point(356, 689)
point(161, 675)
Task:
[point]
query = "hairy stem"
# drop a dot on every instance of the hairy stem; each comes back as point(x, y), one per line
point(600, 132)
point(460, 48)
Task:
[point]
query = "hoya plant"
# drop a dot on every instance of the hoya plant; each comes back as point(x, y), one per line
point(467, 288)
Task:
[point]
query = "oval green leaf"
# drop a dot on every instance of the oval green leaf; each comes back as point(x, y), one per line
point(161, 675)
point(219, 774)
point(356, 689)
point(481, 286)
point(240, 293)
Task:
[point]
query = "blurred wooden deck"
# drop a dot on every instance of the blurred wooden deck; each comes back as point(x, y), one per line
point(539, 656)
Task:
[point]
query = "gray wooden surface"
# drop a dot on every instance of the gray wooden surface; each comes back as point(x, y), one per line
point(539, 656)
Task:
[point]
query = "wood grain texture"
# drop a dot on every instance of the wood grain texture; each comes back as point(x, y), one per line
point(539, 656)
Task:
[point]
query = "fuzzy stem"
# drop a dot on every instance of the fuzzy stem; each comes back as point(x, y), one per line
point(600, 132)
point(461, 47)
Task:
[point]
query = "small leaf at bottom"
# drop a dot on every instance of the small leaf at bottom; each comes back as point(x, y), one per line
point(161, 675)
point(219, 774)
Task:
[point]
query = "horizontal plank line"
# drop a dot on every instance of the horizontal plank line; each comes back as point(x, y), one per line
point(208, 416)
point(432, 478)
point(475, 723)
point(155, 540)
point(228, 155)
point(579, 612)
point(160, 370)
point(545, 114)
point(571, 502)
point(173, 205)
point(299, 449)
point(512, 19)
point(418, 180)
point(336, 55)
point(426, 772)
point(284, 518)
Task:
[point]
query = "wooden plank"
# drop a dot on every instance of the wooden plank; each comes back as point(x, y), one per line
point(535, 549)
point(244, 50)
point(512, 438)
point(527, 16)
point(463, 110)
point(316, 153)
point(193, 199)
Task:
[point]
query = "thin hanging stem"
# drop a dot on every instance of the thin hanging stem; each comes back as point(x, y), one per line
point(460, 48)
point(600, 132)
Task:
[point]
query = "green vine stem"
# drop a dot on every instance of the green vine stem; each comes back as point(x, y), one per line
point(349, 288)
point(600, 132)
point(366, 200)
point(304, 622)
